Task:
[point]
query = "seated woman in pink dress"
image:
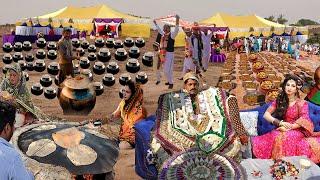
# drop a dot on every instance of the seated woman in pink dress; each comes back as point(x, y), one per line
point(295, 134)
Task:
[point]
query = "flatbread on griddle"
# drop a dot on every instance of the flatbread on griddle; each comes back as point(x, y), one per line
point(41, 148)
point(81, 155)
point(68, 138)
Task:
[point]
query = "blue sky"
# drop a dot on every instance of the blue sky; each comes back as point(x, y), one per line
point(12, 10)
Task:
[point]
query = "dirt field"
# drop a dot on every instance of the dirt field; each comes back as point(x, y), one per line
point(108, 101)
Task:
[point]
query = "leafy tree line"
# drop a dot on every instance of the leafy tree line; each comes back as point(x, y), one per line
point(282, 20)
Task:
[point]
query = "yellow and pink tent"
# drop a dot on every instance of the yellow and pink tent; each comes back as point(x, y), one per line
point(81, 18)
point(243, 25)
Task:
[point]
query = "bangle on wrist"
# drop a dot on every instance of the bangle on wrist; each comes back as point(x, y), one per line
point(275, 122)
point(280, 123)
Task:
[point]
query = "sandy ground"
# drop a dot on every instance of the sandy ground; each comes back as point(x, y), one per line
point(108, 101)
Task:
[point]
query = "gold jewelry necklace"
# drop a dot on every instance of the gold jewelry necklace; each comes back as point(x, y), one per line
point(292, 99)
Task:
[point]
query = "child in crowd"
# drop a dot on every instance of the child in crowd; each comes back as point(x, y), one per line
point(159, 59)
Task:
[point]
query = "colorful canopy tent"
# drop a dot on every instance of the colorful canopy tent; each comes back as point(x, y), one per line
point(242, 25)
point(82, 17)
point(223, 19)
point(107, 26)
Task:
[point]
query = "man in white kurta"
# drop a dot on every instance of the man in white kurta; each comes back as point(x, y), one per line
point(206, 36)
point(169, 48)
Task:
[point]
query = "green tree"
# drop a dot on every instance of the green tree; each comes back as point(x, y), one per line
point(281, 19)
point(272, 29)
point(50, 20)
point(305, 22)
point(38, 20)
point(271, 18)
point(251, 29)
point(70, 21)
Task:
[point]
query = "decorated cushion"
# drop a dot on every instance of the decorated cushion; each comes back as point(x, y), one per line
point(178, 127)
point(143, 166)
point(195, 164)
point(263, 125)
point(249, 121)
point(314, 113)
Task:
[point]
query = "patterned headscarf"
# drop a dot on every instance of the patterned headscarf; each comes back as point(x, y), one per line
point(134, 102)
point(19, 91)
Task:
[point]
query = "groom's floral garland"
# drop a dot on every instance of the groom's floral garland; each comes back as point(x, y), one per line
point(208, 127)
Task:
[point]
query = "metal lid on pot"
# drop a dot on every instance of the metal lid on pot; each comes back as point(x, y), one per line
point(104, 50)
point(133, 61)
point(142, 75)
point(37, 86)
point(41, 40)
point(22, 63)
point(7, 45)
point(7, 56)
point(52, 44)
point(50, 90)
point(29, 55)
point(92, 47)
point(79, 82)
point(99, 40)
point(41, 52)
point(84, 59)
point(85, 42)
point(17, 54)
point(39, 62)
point(110, 40)
point(128, 39)
point(134, 49)
point(118, 42)
point(140, 40)
point(18, 45)
point(26, 44)
point(100, 65)
point(52, 52)
point(46, 77)
point(98, 84)
point(54, 64)
point(109, 76)
point(121, 51)
point(92, 54)
point(125, 77)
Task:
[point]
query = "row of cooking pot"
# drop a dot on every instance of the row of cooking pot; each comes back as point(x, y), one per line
point(103, 55)
point(108, 80)
point(132, 66)
point(109, 43)
point(27, 46)
point(99, 42)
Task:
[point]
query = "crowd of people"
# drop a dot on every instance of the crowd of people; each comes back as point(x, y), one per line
point(276, 44)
